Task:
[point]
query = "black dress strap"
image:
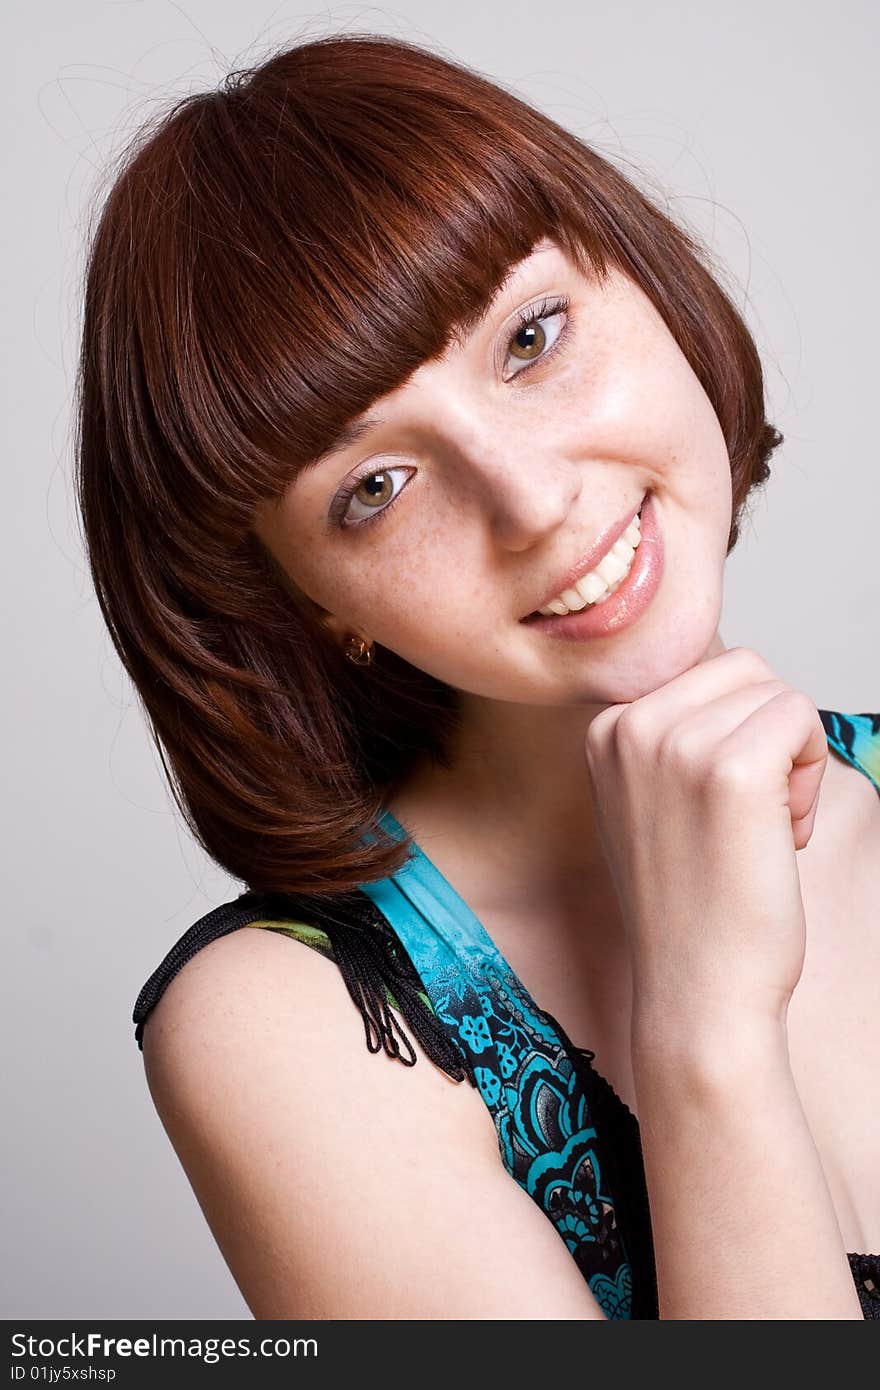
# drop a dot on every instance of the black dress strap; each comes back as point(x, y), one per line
point(371, 960)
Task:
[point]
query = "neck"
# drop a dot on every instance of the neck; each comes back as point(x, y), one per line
point(514, 816)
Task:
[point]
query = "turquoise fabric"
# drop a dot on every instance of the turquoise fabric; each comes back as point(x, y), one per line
point(524, 1073)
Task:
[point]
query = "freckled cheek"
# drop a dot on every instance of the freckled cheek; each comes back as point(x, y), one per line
point(419, 612)
point(313, 579)
point(409, 583)
point(422, 608)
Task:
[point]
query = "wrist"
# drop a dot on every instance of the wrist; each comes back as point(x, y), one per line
point(707, 1048)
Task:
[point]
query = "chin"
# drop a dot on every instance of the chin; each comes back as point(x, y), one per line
point(654, 662)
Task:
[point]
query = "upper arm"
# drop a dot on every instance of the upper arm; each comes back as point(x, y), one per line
point(340, 1184)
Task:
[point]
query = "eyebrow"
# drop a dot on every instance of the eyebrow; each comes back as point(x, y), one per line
point(344, 438)
point(355, 430)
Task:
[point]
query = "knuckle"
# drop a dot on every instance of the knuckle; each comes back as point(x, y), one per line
point(800, 701)
point(798, 704)
point(597, 728)
point(772, 689)
point(633, 728)
point(730, 771)
point(684, 750)
point(751, 662)
point(600, 730)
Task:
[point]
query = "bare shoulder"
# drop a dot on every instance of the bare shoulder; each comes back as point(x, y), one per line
point(257, 994)
point(335, 1180)
point(844, 849)
point(234, 983)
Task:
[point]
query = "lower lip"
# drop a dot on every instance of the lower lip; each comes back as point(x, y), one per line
point(627, 604)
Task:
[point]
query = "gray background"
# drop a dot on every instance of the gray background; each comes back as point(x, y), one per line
point(759, 122)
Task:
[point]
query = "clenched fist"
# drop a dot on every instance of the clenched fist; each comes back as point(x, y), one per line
point(704, 790)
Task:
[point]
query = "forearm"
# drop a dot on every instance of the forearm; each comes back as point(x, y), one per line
point(743, 1221)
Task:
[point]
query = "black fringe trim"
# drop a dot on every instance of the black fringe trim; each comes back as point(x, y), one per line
point(370, 957)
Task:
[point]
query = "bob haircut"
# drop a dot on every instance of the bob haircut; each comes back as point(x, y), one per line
point(271, 258)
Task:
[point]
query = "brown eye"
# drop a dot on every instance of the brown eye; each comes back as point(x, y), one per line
point(529, 342)
point(375, 490)
point(370, 498)
point(540, 331)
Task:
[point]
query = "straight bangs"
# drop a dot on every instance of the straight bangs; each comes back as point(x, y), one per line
point(272, 258)
point(325, 228)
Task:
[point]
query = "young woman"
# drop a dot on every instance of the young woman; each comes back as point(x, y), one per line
point(413, 441)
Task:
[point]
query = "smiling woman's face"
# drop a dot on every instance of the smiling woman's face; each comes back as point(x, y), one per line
point(492, 471)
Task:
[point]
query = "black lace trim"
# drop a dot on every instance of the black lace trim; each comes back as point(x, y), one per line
point(370, 956)
point(866, 1273)
point(620, 1153)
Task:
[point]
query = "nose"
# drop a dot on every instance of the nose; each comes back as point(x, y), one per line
point(520, 477)
point(530, 499)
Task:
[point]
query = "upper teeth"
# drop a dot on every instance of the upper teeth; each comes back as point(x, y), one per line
point(610, 572)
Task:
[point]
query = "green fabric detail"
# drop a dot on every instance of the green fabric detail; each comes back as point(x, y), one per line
point(301, 931)
point(320, 941)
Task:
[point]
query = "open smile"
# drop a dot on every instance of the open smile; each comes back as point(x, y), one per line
point(634, 573)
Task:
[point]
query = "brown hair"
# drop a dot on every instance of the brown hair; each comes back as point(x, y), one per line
point(271, 258)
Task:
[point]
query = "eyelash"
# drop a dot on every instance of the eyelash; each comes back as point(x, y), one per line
point(547, 309)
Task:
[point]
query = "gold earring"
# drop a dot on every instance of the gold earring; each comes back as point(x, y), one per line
point(358, 650)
